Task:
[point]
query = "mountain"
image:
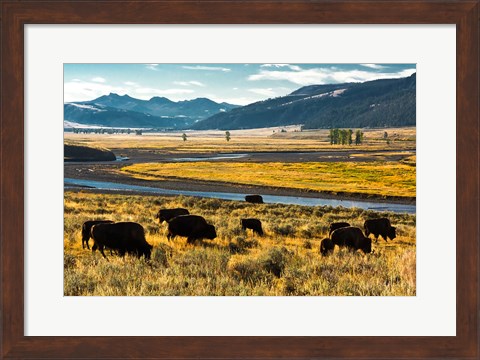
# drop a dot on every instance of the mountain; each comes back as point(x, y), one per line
point(378, 103)
point(106, 116)
point(125, 111)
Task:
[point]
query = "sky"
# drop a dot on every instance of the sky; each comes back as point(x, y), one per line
point(238, 84)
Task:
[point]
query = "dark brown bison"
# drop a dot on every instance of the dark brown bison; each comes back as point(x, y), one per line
point(193, 227)
point(124, 237)
point(87, 226)
point(254, 224)
point(326, 246)
point(337, 225)
point(381, 227)
point(169, 214)
point(352, 238)
point(254, 199)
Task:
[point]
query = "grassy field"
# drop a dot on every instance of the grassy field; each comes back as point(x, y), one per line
point(286, 261)
point(255, 140)
point(374, 178)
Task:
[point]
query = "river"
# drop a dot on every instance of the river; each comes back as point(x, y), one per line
point(292, 200)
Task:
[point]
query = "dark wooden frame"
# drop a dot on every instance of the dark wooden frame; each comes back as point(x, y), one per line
point(15, 14)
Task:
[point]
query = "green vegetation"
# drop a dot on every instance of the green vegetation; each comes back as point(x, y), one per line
point(286, 261)
point(369, 178)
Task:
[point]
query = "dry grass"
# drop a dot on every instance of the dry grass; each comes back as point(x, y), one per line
point(255, 140)
point(377, 178)
point(284, 262)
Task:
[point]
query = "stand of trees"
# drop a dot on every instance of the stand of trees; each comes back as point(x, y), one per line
point(344, 137)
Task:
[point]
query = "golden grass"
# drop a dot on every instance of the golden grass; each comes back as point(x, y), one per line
point(284, 262)
point(379, 178)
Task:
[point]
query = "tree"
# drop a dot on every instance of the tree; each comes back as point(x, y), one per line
point(358, 137)
point(350, 132)
point(227, 135)
point(184, 137)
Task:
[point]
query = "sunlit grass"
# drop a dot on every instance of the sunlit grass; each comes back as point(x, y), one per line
point(286, 261)
point(376, 178)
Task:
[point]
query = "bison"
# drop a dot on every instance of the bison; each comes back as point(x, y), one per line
point(169, 214)
point(337, 225)
point(381, 227)
point(254, 199)
point(87, 226)
point(352, 238)
point(124, 237)
point(326, 246)
point(254, 224)
point(193, 227)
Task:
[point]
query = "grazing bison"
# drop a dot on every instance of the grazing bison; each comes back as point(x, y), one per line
point(254, 199)
point(87, 226)
point(169, 214)
point(337, 225)
point(192, 227)
point(254, 224)
point(124, 237)
point(326, 246)
point(381, 227)
point(352, 238)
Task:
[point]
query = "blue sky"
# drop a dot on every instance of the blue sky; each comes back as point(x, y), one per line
point(239, 84)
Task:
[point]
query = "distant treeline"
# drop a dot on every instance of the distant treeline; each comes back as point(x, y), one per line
point(113, 131)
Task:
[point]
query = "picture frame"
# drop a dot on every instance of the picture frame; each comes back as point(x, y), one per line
point(14, 15)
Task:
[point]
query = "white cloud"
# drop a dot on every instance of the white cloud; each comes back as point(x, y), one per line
point(326, 76)
point(374, 66)
point(78, 90)
point(189, 83)
point(152, 67)
point(132, 83)
point(99, 79)
point(291, 67)
point(154, 92)
point(265, 92)
point(207, 68)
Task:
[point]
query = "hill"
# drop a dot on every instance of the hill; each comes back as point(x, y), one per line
point(378, 103)
point(114, 110)
point(72, 152)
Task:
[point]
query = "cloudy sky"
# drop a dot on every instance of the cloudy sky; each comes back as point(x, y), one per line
point(239, 84)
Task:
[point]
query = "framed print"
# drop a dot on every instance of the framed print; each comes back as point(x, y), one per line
point(53, 50)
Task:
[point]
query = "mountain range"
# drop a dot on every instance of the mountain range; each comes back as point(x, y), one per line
point(115, 110)
point(377, 103)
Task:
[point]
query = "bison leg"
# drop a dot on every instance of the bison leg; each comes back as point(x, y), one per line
point(101, 251)
point(94, 247)
point(190, 240)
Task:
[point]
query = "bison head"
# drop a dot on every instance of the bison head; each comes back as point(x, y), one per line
point(210, 232)
point(147, 251)
point(392, 232)
point(367, 245)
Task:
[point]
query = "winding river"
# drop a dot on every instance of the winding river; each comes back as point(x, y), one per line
point(291, 200)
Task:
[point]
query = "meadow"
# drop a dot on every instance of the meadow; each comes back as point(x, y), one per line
point(284, 262)
point(253, 140)
point(370, 178)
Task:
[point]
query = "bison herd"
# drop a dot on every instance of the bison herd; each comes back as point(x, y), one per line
point(129, 237)
point(353, 238)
